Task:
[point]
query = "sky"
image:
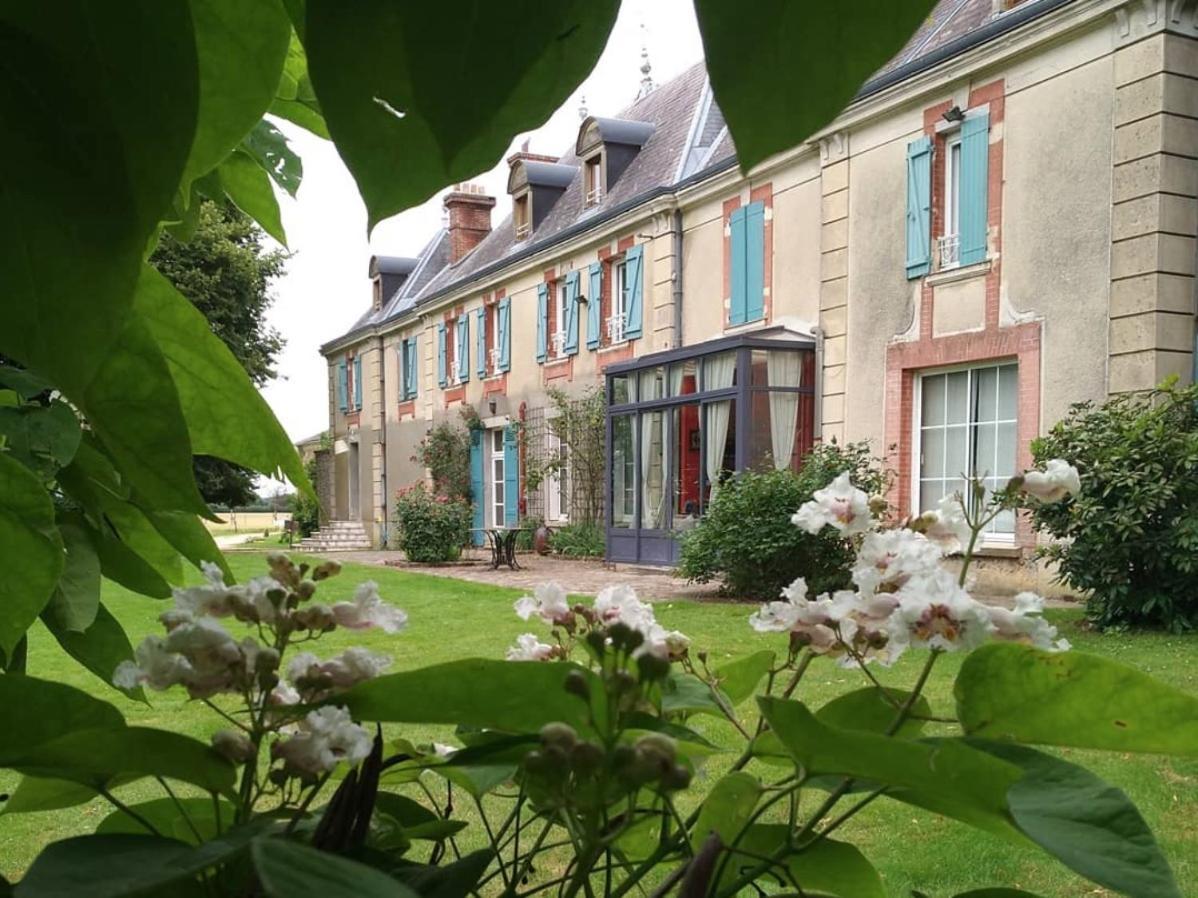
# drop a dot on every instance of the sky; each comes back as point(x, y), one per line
point(326, 288)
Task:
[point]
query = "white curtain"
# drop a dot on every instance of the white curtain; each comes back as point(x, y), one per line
point(718, 373)
point(784, 369)
point(652, 473)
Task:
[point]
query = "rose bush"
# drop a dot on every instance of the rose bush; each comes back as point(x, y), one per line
point(429, 528)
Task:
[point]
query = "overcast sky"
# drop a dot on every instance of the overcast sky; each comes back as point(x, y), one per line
point(326, 288)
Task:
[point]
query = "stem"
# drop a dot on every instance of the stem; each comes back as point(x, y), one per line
point(823, 833)
point(905, 710)
point(179, 807)
point(124, 808)
point(494, 843)
point(233, 720)
point(804, 663)
point(299, 812)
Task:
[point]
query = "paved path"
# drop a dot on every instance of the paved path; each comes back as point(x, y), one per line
point(584, 577)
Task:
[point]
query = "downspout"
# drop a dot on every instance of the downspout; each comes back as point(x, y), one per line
point(384, 536)
point(677, 275)
point(818, 404)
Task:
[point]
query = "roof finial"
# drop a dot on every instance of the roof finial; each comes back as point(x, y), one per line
point(583, 112)
point(647, 84)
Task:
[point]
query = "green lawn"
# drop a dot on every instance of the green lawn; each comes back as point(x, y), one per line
point(453, 619)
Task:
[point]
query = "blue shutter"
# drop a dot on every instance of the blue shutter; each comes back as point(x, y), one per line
point(738, 312)
point(634, 273)
point(919, 207)
point(358, 382)
point(342, 387)
point(754, 261)
point(504, 335)
point(481, 339)
point(975, 169)
point(463, 348)
point(511, 477)
point(595, 306)
point(478, 493)
point(542, 321)
point(572, 281)
point(442, 367)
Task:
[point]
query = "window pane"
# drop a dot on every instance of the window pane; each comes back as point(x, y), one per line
point(682, 378)
point(957, 397)
point(719, 445)
point(933, 400)
point(653, 384)
point(1004, 459)
point(956, 451)
point(986, 385)
point(1008, 391)
point(930, 492)
point(687, 463)
point(653, 470)
point(623, 389)
point(623, 472)
point(932, 453)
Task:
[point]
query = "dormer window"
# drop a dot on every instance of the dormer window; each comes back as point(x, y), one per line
point(594, 179)
point(521, 216)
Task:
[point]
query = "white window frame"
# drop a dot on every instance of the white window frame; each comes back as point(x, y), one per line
point(948, 246)
point(990, 538)
point(561, 307)
point(617, 322)
point(497, 467)
point(593, 180)
point(557, 482)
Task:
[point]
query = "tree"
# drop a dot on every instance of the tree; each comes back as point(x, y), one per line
point(226, 271)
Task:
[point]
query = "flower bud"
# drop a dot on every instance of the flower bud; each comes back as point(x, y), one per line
point(560, 734)
point(535, 763)
point(585, 757)
point(622, 756)
point(233, 745)
point(266, 660)
point(306, 590)
point(619, 634)
point(657, 745)
point(576, 684)
point(326, 569)
point(652, 668)
point(878, 505)
point(598, 642)
point(624, 681)
point(677, 777)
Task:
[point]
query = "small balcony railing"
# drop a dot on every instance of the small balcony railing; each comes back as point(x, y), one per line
point(559, 343)
point(594, 195)
point(493, 355)
point(948, 251)
point(523, 230)
point(615, 327)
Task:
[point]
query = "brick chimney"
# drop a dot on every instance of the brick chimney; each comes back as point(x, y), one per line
point(469, 211)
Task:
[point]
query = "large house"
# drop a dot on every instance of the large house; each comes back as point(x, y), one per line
point(1000, 224)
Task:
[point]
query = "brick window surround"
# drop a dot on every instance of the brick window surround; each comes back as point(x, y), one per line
point(906, 359)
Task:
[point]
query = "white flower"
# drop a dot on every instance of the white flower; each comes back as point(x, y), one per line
point(813, 623)
point(891, 557)
point(316, 679)
point(214, 656)
point(1058, 480)
point(369, 610)
point(210, 598)
point(441, 750)
point(153, 666)
point(1024, 624)
point(528, 648)
point(935, 612)
point(548, 601)
point(324, 738)
point(284, 694)
point(620, 604)
point(234, 745)
point(839, 504)
point(946, 525)
point(256, 604)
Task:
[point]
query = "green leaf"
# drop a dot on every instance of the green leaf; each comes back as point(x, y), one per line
point(122, 864)
point(826, 867)
point(686, 693)
point(456, 880)
point(1089, 825)
point(995, 893)
point(727, 808)
point(122, 565)
point(503, 695)
point(948, 777)
point(167, 816)
point(248, 186)
point(42, 437)
point(76, 598)
point(809, 60)
point(26, 384)
point(739, 679)
point(379, 71)
point(416, 821)
point(296, 100)
point(290, 870)
point(191, 539)
point(37, 711)
point(242, 48)
point(30, 557)
point(36, 793)
point(867, 709)
point(1017, 693)
point(99, 648)
point(226, 415)
point(89, 187)
point(268, 147)
point(99, 757)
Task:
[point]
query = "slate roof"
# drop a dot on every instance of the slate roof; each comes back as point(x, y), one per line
point(690, 142)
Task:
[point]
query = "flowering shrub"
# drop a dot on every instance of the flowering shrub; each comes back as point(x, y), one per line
point(580, 744)
point(430, 529)
point(1129, 538)
point(745, 540)
point(445, 453)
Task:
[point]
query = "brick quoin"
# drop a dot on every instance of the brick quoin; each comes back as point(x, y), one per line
point(730, 206)
point(1020, 343)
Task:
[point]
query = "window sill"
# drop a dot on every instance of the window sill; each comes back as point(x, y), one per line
point(995, 550)
point(960, 273)
point(612, 347)
point(755, 324)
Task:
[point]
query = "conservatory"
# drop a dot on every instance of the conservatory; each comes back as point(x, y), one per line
point(681, 422)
